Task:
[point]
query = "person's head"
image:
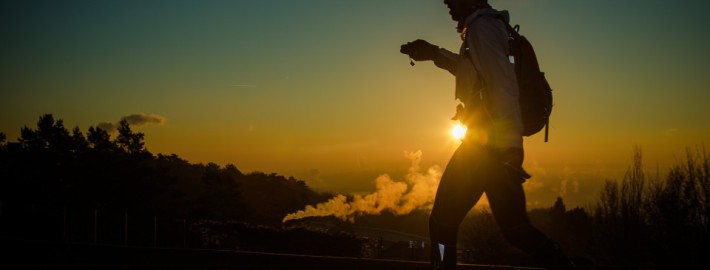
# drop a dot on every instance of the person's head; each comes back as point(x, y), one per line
point(459, 9)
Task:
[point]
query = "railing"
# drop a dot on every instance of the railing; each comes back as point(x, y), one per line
point(92, 238)
point(50, 255)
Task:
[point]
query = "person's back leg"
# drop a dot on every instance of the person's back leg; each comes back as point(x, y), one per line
point(507, 200)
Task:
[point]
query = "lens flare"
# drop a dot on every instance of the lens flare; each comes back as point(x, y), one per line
point(458, 132)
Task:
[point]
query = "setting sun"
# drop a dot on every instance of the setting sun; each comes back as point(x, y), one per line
point(458, 131)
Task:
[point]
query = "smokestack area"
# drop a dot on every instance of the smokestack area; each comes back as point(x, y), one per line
point(417, 191)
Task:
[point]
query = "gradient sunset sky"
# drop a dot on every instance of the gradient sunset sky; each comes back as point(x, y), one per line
point(317, 89)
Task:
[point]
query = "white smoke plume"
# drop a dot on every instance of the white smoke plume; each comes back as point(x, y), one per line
point(538, 173)
point(568, 175)
point(399, 198)
point(134, 120)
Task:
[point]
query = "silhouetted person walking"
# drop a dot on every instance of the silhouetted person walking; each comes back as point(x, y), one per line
point(490, 157)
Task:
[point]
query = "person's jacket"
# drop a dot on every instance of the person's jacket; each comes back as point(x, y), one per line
point(485, 80)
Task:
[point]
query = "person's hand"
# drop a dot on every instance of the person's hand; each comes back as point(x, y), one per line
point(419, 50)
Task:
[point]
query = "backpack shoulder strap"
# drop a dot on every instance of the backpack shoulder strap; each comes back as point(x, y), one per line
point(512, 30)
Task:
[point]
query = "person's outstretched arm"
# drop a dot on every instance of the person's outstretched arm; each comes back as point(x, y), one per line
point(421, 50)
point(447, 60)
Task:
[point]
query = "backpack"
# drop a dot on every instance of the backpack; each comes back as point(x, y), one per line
point(535, 92)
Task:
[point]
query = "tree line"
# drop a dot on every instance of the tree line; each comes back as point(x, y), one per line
point(50, 166)
point(51, 171)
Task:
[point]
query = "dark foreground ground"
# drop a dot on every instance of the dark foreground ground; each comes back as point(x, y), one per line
point(16, 254)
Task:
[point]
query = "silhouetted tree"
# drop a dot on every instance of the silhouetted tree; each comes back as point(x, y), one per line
point(558, 210)
point(79, 142)
point(49, 135)
point(222, 198)
point(658, 224)
point(269, 197)
point(129, 141)
point(100, 140)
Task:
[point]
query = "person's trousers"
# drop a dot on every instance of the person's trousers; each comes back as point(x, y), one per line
point(472, 171)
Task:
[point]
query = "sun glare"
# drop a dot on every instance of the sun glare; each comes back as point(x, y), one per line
point(458, 131)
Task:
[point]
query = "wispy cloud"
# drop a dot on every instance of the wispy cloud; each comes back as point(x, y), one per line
point(670, 134)
point(134, 120)
point(671, 131)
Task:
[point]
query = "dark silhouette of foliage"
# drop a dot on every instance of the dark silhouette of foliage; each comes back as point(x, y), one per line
point(657, 223)
point(99, 140)
point(221, 199)
point(128, 141)
point(55, 175)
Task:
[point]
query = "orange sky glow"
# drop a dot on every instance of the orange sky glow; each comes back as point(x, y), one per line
point(318, 90)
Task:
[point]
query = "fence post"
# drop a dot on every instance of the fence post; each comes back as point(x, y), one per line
point(64, 225)
point(96, 213)
point(155, 231)
point(125, 228)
